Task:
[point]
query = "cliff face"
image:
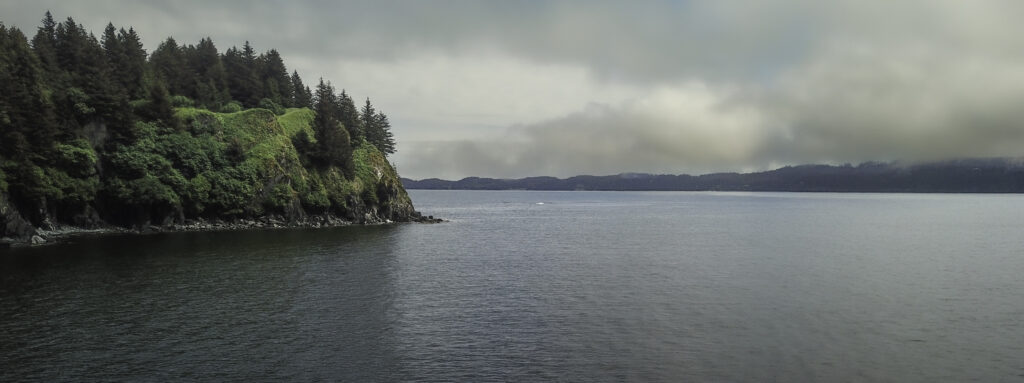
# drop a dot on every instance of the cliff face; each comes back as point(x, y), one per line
point(227, 170)
point(12, 226)
point(376, 194)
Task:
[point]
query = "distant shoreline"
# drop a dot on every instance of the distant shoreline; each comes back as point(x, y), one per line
point(726, 191)
point(987, 175)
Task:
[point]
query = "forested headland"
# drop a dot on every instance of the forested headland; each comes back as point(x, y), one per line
point(98, 132)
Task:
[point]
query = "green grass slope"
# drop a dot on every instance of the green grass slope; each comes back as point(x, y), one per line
point(243, 164)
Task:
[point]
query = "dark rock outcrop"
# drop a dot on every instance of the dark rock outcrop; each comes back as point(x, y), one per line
point(13, 227)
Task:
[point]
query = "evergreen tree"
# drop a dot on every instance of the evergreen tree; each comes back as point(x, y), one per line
point(251, 79)
point(301, 96)
point(158, 107)
point(333, 147)
point(72, 43)
point(234, 65)
point(169, 67)
point(304, 147)
point(127, 60)
point(276, 84)
point(377, 129)
point(384, 140)
point(27, 126)
point(112, 46)
point(243, 81)
point(45, 46)
point(249, 54)
point(91, 95)
point(132, 71)
point(210, 82)
point(368, 119)
point(350, 117)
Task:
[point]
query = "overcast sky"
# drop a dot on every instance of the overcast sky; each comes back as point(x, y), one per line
point(524, 88)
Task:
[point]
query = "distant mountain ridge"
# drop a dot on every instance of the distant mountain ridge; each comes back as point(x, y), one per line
point(976, 175)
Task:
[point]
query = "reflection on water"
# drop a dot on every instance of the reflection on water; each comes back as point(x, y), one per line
point(287, 304)
point(584, 287)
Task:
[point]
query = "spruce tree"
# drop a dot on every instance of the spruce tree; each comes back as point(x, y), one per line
point(210, 82)
point(333, 147)
point(44, 45)
point(72, 46)
point(350, 117)
point(168, 65)
point(234, 66)
point(158, 107)
point(274, 76)
point(377, 129)
point(385, 141)
point(368, 119)
point(301, 96)
point(251, 78)
point(243, 81)
point(92, 95)
point(27, 126)
point(112, 47)
point(304, 147)
point(127, 60)
point(133, 70)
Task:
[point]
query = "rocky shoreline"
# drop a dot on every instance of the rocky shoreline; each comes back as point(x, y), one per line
point(57, 233)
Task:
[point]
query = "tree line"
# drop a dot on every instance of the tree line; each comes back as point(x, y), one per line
point(72, 102)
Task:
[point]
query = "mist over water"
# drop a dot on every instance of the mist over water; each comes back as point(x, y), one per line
point(588, 286)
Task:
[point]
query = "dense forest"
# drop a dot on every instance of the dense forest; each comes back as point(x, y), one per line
point(96, 131)
point(992, 175)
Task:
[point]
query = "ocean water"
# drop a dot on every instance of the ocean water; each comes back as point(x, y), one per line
point(542, 286)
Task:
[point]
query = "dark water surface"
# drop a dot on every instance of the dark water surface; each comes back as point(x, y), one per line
point(588, 286)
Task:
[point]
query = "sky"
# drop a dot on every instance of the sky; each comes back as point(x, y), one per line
point(559, 88)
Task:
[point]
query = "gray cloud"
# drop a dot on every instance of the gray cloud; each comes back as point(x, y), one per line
point(843, 107)
point(512, 89)
point(616, 40)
